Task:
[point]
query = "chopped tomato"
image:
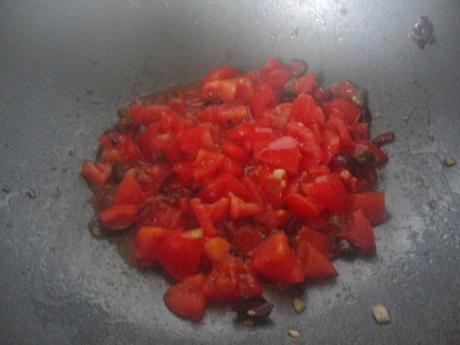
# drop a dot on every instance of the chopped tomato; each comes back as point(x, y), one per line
point(275, 260)
point(215, 248)
point(180, 253)
point(129, 191)
point(372, 204)
point(359, 232)
point(231, 279)
point(317, 239)
point(329, 191)
point(274, 172)
point(146, 243)
point(186, 298)
point(316, 264)
point(96, 174)
point(118, 217)
point(281, 153)
point(208, 214)
point(241, 209)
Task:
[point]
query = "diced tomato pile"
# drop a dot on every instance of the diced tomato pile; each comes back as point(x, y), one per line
point(241, 179)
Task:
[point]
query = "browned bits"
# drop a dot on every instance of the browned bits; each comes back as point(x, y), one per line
point(299, 305)
point(254, 308)
point(449, 162)
point(366, 116)
point(293, 333)
point(381, 314)
point(384, 138)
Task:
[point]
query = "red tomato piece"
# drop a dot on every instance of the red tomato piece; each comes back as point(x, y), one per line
point(281, 153)
point(348, 111)
point(263, 99)
point(276, 77)
point(237, 90)
point(316, 265)
point(309, 145)
point(207, 164)
point(275, 260)
point(359, 232)
point(241, 209)
point(317, 239)
point(96, 174)
point(329, 191)
point(338, 124)
point(302, 206)
point(223, 72)
point(191, 140)
point(129, 191)
point(216, 248)
point(247, 237)
point(208, 214)
point(184, 171)
point(186, 298)
point(148, 114)
point(180, 253)
point(222, 186)
point(372, 204)
point(234, 151)
point(368, 146)
point(331, 145)
point(305, 84)
point(118, 217)
point(145, 244)
point(230, 280)
point(273, 219)
point(304, 109)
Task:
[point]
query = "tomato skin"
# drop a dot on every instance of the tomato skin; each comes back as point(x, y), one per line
point(319, 240)
point(316, 265)
point(96, 174)
point(230, 280)
point(274, 260)
point(281, 153)
point(220, 73)
point(208, 214)
point(145, 244)
point(186, 298)
point(329, 191)
point(129, 191)
point(372, 204)
point(359, 232)
point(118, 217)
point(180, 254)
point(302, 206)
point(303, 109)
point(216, 248)
point(235, 90)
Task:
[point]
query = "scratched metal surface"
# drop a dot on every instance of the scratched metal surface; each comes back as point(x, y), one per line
point(65, 67)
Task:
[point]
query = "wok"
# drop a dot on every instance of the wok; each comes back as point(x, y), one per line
point(66, 66)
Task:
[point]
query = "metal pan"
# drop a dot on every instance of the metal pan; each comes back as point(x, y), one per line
point(66, 66)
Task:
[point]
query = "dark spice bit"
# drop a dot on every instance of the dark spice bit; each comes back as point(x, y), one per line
point(365, 157)
point(449, 162)
point(122, 112)
point(213, 102)
point(253, 308)
point(422, 32)
point(6, 189)
point(366, 116)
point(384, 138)
point(346, 249)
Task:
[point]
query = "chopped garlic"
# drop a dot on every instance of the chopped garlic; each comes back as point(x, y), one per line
point(279, 174)
point(299, 305)
point(381, 314)
point(294, 333)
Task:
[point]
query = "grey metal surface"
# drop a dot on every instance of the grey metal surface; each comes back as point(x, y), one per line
point(65, 67)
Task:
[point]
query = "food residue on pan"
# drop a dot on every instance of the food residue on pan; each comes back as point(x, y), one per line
point(381, 314)
point(422, 32)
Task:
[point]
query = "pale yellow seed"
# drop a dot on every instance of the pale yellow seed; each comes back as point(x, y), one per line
point(381, 314)
point(299, 305)
point(294, 333)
